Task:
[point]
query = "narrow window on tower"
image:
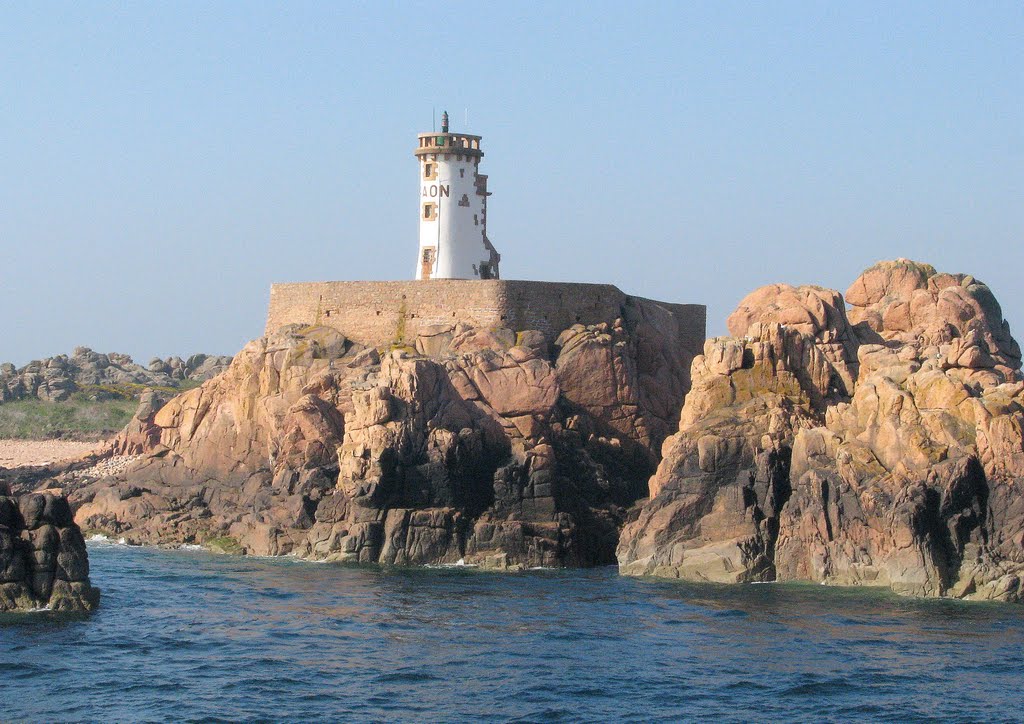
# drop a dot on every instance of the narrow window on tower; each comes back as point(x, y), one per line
point(428, 170)
point(429, 212)
point(427, 262)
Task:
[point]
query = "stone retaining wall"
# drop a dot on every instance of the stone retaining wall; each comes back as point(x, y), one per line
point(383, 313)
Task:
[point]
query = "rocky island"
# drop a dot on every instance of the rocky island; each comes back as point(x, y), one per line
point(443, 442)
point(873, 439)
point(878, 446)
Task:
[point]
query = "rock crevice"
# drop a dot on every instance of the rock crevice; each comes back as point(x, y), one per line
point(904, 420)
point(491, 446)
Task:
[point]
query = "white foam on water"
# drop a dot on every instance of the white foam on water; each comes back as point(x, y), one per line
point(461, 563)
point(190, 547)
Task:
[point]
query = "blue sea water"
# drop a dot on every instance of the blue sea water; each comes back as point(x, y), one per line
point(185, 635)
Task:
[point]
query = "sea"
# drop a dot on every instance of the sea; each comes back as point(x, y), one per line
point(186, 635)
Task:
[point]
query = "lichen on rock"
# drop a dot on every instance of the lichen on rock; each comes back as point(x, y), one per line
point(491, 446)
point(882, 448)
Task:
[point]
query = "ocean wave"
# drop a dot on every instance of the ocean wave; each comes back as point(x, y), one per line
point(461, 563)
point(39, 609)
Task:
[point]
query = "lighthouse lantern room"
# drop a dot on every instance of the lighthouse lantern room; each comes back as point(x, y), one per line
point(453, 208)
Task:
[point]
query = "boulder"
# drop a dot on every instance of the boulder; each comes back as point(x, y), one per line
point(816, 313)
point(951, 317)
point(101, 376)
point(43, 559)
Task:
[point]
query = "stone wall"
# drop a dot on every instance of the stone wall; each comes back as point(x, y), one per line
point(383, 313)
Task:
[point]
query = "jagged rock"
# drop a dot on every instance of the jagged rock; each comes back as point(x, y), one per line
point(468, 448)
point(141, 432)
point(913, 482)
point(627, 377)
point(901, 488)
point(43, 560)
point(951, 317)
point(57, 378)
point(815, 312)
point(723, 478)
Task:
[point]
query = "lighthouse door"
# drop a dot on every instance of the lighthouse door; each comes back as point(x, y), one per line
point(428, 263)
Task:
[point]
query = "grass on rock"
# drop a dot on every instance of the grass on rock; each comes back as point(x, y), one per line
point(93, 412)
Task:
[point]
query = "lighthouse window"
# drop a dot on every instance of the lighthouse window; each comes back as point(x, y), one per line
point(428, 170)
point(429, 211)
point(427, 263)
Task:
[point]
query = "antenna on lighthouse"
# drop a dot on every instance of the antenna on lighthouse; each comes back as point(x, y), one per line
point(433, 119)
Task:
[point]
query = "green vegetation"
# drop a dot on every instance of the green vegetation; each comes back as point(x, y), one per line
point(400, 329)
point(128, 390)
point(78, 418)
point(92, 412)
point(223, 544)
point(400, 345)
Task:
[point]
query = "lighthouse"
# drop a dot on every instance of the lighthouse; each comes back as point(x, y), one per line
point(453, 208)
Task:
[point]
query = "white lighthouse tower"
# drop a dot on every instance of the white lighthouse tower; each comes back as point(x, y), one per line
point(453, 208)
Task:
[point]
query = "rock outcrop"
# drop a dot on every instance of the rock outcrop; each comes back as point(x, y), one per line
point(43, 561)
point(500, 448)
point(101, 376)
point(910, 305)
point(724, 477)
point(881, 448)
point(878, 445)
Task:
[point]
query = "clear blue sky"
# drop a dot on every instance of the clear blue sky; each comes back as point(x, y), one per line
point(164, 163)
